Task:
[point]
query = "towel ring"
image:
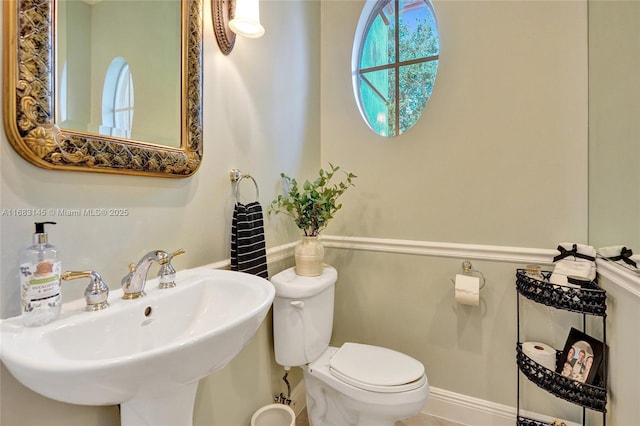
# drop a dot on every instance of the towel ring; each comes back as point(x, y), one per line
point(236, 177)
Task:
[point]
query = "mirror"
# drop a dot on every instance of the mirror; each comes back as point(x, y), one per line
point(119, 83)
point(154, 130)
point(614, 127)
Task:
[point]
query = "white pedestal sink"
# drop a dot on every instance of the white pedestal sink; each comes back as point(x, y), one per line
point(146, 354)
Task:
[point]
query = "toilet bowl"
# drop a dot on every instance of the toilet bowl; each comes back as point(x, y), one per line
point(352, 385)
point(332, 400)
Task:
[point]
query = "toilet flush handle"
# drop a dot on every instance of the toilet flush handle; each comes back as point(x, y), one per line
point(297, 304)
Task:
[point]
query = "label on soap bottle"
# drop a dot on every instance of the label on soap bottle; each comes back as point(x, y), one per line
point(39, 282)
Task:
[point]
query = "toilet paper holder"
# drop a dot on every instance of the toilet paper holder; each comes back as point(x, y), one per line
point(467, 269)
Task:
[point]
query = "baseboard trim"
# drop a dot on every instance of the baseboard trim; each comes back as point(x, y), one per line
point(467, 410)
point(472, 411)
point(454, 407)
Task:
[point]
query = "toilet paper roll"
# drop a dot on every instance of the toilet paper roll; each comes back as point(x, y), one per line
point(467, 290)
point(541, 353)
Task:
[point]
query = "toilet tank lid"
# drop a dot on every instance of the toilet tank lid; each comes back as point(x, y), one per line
point(290, 285)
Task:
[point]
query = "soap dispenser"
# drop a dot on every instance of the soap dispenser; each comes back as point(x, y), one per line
point(40, 272)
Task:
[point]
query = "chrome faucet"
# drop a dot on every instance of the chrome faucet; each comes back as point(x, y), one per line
point(133, 283)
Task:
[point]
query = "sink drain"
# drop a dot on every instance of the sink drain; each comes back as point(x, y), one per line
point(147, 313)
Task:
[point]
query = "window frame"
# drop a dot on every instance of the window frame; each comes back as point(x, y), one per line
point(371, 10)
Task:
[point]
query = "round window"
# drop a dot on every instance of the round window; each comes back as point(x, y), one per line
point(394, 63)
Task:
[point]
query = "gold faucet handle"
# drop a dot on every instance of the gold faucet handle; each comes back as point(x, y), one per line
point(132, 267)
point(166, 259)
point(73, 275)
point(96, 293)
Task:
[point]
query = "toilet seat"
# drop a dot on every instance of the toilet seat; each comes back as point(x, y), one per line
point(376, 369)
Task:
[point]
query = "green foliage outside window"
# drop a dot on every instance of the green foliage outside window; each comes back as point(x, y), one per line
point(393, 94)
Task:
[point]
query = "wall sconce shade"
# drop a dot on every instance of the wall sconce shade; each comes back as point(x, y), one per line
point(231, 17)
point(246, 20)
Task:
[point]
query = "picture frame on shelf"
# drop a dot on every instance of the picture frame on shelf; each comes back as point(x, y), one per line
point(581, 357)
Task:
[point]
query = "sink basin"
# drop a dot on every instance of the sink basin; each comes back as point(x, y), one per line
point(146, 354)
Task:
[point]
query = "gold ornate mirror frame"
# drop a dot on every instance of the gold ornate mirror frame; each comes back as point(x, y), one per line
point(29, 116)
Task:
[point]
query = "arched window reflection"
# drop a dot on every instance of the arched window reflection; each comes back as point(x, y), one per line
point(117, 100)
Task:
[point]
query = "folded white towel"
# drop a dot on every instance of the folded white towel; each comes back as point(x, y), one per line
point(579, 261)
point(635, 258)
point(577, 268)
point(621, 255)
point(581, 248)
point(610, 251)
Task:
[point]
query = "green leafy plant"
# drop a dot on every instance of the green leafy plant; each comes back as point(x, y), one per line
point(313, 205)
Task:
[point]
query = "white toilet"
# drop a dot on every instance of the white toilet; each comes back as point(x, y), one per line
point(354, 384)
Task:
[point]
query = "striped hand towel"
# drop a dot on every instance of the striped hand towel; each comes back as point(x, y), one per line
point(248, 248)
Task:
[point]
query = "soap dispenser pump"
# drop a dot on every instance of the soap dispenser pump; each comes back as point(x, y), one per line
point(40, 271)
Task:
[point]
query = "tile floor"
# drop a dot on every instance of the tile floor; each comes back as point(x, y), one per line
point(419, 420)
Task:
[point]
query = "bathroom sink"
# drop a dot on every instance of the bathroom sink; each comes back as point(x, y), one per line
point(146, 354)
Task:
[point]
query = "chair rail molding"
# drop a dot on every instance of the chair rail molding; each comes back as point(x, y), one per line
point(274, 254)
point(440, 249)
point(618, 275)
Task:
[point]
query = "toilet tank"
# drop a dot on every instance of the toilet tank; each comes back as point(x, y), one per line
point(302, 315)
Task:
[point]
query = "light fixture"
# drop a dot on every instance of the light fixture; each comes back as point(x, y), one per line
point(246, 21)
point(231, 17)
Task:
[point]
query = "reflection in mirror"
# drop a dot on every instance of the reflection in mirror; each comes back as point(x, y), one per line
point(125, 95)
point(614, 128)
point(118, 100)
point(105, 50)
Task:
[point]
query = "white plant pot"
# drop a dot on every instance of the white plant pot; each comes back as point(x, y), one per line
point(309, 256)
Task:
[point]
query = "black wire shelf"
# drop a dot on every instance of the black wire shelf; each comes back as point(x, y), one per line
point(585, 395)
point(589, 299)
